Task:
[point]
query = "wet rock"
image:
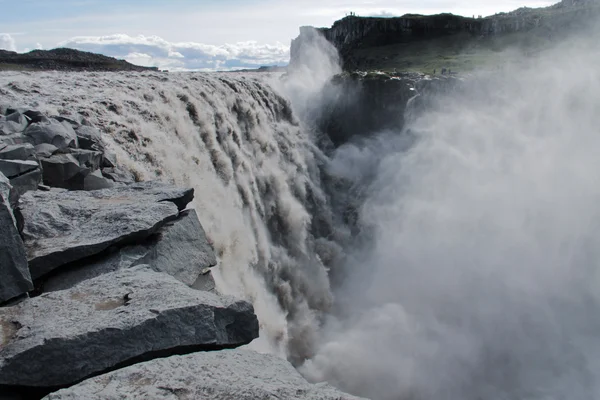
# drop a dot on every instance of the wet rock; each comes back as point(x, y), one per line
point(52, 132)
point(32, 115)
point(89, 138)
point(116, 319)
point(109, 160)
point(118, 175)
point(180, 248)
point(15, 279)
point(228, 374)
point(62, 227)
point(13, 123)
point(64, 171)
point(24, 151)
point(95, 181)
point(13, 168)
point(87, 158)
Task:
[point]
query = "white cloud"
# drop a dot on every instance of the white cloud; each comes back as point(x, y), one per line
point(7, 42)
point(155, 51)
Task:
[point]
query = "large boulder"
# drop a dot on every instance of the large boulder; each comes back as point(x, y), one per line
point(228, 374)
point(180, 248)
point(64, 171)
point(15, 279)
point(61, 227)
point(117, 319)
point(53, 132)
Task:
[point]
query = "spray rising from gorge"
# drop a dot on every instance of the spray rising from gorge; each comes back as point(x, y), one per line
point(451, 258)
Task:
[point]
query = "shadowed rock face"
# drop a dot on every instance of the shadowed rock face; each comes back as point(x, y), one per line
point(116, 319)
point(15, 278)
point(228, 374)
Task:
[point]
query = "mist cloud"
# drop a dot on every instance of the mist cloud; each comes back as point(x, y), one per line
point(478, 278)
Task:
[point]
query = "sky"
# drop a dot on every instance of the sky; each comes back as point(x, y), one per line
point(200, 34)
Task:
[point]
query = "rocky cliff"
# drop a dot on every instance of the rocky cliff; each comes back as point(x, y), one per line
point(397, 38)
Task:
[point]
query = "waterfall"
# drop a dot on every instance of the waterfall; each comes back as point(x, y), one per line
point(255, 171)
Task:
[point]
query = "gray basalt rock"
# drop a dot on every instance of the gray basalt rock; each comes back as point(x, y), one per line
point(229, 374)
point(89, 138)
point(45, 150)
point(64, 171)
point(23, 184)
point(13, 123)
point(53, 132)
point(116, 319)
point(15, 279)
point(14, 168)
point(180, 248)
point(118, 175)
point(95, 181)
point(24, 151)
point(88, 158)
point(61, 227)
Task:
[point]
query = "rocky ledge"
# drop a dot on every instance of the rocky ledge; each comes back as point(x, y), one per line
point(104, 279)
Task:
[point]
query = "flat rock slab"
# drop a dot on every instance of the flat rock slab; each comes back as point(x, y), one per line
point(228, 374)
point(180, 248)
point(117, 319)
point(62, 226)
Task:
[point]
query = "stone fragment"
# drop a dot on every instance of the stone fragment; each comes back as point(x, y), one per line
point(118, 175)
point(95, 181)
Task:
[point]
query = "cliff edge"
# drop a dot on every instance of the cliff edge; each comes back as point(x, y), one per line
point(445, 41)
